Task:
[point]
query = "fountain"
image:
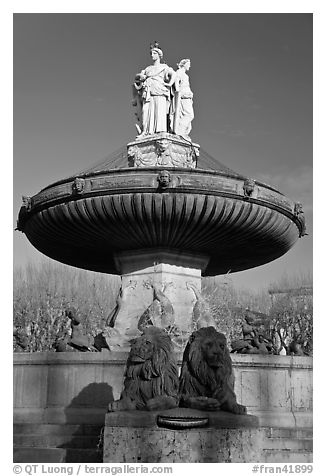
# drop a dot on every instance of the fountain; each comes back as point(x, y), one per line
point(162, 213)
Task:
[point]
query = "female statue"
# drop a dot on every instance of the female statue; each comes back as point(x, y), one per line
point(152, 94)
point(183, 100)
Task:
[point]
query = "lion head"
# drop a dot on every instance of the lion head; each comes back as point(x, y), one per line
point(150, 354)
point(151, 369)
point(207, 370)
point(207, 350)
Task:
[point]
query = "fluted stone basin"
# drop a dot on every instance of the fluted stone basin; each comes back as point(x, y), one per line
point(87, 220)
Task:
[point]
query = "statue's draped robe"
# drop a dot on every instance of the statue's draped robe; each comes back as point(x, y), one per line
point(183, 105)
point(156, 99)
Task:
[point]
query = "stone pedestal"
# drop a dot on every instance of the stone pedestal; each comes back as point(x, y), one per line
point(135, 437)
point(163, 150)
point(170, 272)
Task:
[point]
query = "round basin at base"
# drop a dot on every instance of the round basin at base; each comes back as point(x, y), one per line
point(124, 210)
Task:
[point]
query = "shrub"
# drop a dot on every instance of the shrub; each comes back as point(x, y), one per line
point(43, 291)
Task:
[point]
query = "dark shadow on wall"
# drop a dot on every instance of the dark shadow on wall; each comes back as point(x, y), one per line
point(85, 419)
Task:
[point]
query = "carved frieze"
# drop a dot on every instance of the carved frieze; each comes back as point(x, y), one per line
point(24, 212)
point(162, 151)
point(27, 203)
point(275, 198)
point(54, 193)
point(299, 213)
point(118, 182)
point(164, 179)
point(163, 148)
point(78, 185)
point(249, 188)
point(298, 209)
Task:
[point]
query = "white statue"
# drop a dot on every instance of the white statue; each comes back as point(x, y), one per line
point(183, 111)
point(152, 95)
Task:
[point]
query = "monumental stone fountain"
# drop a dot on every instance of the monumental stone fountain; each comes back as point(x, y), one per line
point(161, 213)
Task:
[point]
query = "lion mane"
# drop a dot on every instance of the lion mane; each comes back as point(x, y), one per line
point(151, 369)
point(207, 370)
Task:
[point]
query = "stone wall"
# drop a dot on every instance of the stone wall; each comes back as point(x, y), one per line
point(76, 387)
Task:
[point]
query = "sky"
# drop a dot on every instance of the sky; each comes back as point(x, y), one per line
point(251, 75)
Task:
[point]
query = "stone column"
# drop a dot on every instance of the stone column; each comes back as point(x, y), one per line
point(169, 271)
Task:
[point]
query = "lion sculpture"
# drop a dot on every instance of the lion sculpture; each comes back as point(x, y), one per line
point(151, 376)
point(206, 381)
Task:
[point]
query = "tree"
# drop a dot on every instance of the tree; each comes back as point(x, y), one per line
point(292, 320)
point(43, 292)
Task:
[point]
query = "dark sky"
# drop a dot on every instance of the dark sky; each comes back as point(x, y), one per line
point(251, 76)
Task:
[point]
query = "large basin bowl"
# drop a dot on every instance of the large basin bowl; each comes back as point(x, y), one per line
point(86, 221)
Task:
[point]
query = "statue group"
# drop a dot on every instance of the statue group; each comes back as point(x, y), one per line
point(162, 97)
point(151, 377)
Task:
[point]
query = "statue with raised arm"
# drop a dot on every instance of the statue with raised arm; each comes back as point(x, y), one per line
point(152, 95)
point(183, 112)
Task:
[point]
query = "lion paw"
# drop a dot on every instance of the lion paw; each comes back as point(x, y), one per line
point(161, 403)
point(125, 404)
point(114, 406)
point(238, 409)
point(202, 403)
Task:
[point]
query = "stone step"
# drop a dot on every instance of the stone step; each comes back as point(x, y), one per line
point(287, 456)
point(38, 455)
point(289, 444)
point(56, 441)
point(289, 432)
point(56, 455)
point(53, 429)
